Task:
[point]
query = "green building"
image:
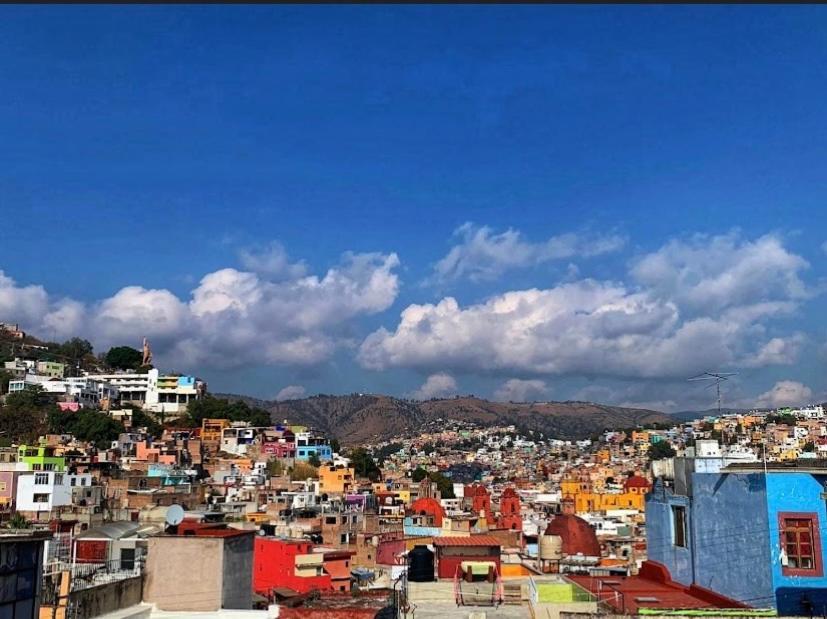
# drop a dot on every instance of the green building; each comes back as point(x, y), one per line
point(40, 458)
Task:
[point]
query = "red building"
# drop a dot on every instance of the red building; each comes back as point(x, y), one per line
point(431, 509)
point(477, 499)
point(452, 552)
point(292, 564)
point(510, 517)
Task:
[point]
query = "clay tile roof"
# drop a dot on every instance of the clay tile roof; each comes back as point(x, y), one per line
point(473, 540)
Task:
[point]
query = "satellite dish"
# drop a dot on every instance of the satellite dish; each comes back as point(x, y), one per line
point(175, 515)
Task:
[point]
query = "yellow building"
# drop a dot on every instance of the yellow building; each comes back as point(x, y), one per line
point(336, 479)
point(211, 429)
point(587, 499)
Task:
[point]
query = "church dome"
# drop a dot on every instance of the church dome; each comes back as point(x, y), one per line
point(576, 534)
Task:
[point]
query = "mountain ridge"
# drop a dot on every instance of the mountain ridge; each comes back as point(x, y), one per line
point(361, 418)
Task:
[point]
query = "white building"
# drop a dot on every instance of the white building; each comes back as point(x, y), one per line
point(43, 491)
point(84, 390)
point(168, 394)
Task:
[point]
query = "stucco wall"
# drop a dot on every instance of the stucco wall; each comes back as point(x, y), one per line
point(797, 492)
point(107, 598)
point(184, 573)
point(730, 527)
point(238, 572)
point(660, 545)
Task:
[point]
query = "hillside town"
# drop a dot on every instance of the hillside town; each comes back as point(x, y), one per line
point(127, 492)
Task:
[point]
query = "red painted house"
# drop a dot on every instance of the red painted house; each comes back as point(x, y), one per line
point(510, 517)
point(292, 564)
point(452, 552)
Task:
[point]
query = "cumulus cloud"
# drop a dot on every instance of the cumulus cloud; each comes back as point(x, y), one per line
point(231, 318)
point(436, 386)
point(517, 390)
point(481, 254)
point(785, 393)
point(291, 392)
point(656, 329)
point(271, 261)
point(711, 274)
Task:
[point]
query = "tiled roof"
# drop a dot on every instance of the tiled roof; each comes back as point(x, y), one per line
point(473, 540)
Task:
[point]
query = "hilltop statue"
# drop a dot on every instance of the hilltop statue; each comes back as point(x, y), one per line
point(147, 353)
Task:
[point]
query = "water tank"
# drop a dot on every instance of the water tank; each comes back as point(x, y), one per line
point(551, 548)
point(420, 564)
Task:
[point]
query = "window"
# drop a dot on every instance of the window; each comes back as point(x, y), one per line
point(800, 544)
point(58, 479)
point(49, 466)
point(679, 525)
point(73, 481)
point(36, 467)
point(41, 479)
point(41, 498)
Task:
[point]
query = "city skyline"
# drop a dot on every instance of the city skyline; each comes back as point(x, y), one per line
point(420, 202)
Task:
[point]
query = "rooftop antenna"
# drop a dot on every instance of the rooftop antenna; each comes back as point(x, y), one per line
point(718, 378)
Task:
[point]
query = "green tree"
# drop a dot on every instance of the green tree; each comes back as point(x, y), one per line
point(24, 416)
point(314, 460)
point(443, 484)
point(335, 446)
point(18, 521)
point(363, 464)
point(661, 450)
point(124, 358)
point(76, 351)
point(419, 474)
point(810, 446)
point(5, 377)
point(141, 419)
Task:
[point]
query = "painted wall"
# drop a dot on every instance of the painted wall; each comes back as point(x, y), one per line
point(659, 542)
point(184, 573)
point(729, 526)
point(797, 492)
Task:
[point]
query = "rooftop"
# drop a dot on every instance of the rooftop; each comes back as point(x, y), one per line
point(651, 589)
point(473, 540)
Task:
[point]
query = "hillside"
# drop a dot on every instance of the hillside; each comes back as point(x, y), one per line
point(357, 419)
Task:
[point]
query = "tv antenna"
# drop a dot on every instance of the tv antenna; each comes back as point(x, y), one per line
point(718, 378)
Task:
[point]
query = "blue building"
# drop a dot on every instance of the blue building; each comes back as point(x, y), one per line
point(309, 444)
point(750, 534)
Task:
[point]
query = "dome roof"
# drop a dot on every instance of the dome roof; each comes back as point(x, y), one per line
point(636, 481)
point(576, 534)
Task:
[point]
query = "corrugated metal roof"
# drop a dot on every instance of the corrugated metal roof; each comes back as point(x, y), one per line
point(473, 540)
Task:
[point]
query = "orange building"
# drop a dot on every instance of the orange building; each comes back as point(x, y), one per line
point(585, 499)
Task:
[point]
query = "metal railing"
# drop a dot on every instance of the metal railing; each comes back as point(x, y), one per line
point(87, 575)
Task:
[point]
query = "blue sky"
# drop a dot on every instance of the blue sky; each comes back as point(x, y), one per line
point(263, 190)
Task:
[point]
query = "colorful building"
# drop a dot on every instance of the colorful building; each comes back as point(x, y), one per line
point(40, 458)
point(336, 479)
point(750, 534)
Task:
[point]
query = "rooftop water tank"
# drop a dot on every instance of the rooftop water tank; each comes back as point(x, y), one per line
point(551, 548)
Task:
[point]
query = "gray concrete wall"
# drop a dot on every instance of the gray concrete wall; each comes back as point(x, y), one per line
point(106, 598)
point(238, 572)
point(184, 573)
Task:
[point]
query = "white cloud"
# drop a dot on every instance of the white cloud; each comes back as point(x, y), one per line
point(231, 318)
point(271, 261)
point(481, 254)
point(517, 390)
point(291, 392)
point(606, 329)
point(436, 386)
point(785, 393)
point(706, 274)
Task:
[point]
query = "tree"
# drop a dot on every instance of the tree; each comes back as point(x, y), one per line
point(335, 446)
point(302, 471)
point(124, 358)
point(5, 377)
point(75, 351)
point(86, 425)
point(314, 460)
point(443, 484)
point(18, 521)
point(810, 446)
point(419, 474)
point(24, 416)
point(363, 464)
point(661, 450)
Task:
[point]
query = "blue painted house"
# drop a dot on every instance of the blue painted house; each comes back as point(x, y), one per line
point(746, 533)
